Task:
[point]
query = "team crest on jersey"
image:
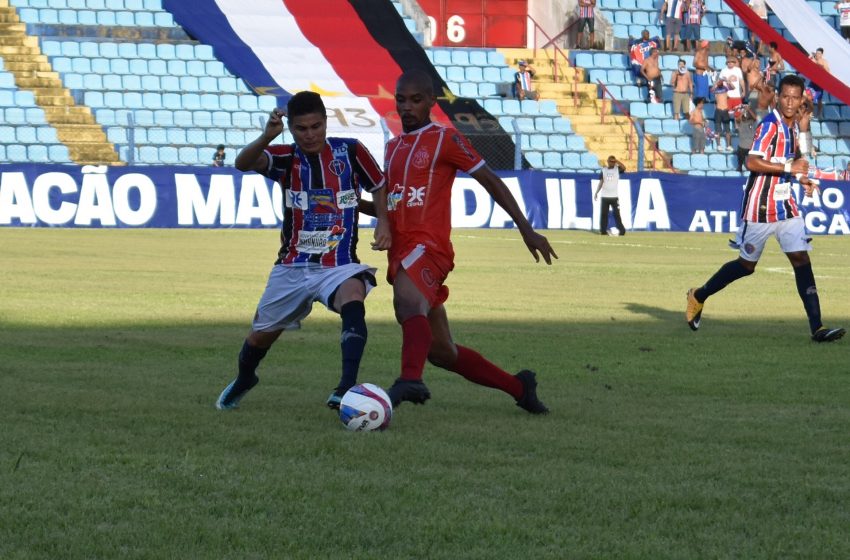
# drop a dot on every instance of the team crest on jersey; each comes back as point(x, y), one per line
point(421, 159)
point(337, 167)
point(321, 200)
point(427, 277)
point(346, 199)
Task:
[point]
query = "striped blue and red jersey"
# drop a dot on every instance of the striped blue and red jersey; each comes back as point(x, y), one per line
point(776, 142)
point(585, 9)
point(321, 193)
point(694, 14)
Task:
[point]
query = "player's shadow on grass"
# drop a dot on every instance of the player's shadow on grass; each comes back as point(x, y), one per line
point(657, 312)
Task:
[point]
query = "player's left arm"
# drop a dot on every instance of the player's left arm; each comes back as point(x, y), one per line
point(537, 244)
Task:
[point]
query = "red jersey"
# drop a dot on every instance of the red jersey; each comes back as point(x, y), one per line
point(420, 168)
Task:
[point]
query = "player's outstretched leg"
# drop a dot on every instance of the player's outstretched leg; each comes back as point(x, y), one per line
point(416, 339)
point(352, 342)
point(529, 401)
point(249, 359)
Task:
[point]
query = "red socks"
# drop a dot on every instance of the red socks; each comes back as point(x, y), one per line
point(415, 344)
point(474, 367)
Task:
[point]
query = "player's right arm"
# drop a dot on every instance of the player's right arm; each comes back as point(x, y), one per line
point(253, 156)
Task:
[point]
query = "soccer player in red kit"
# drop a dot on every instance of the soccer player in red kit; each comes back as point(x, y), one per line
point(420, 167)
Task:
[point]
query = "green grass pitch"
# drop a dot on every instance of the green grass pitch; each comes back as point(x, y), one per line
point(731, 442)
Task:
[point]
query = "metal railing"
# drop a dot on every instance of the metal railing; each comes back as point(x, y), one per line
point(556, 52)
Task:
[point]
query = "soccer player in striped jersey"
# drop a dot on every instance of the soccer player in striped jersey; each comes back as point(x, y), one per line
point(769, 209)
point(321, 179)
point(420, 168)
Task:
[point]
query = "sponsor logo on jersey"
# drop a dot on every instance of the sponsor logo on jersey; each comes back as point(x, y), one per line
point(321, 200)
point(313, 242)
point(341, 151)
point(346, 199)
point(335, 235)
point(296, 199)
point(394, 197)
point(416, 196)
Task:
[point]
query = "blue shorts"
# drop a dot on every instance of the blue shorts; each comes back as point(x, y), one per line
point(691, 31)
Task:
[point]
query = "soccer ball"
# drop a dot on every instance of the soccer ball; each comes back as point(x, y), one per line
point(365, 407)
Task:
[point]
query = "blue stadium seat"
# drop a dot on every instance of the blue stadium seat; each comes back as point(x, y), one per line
point(584, 60)
point(474, 74)
point(638, 109)
point(557, 142)
point(34, 115)
point(144, 19)
point(16, 152)
point(511, 107)
point(460, 57)
point(478, 58)
point(492, 106)
point(221, 119)
point(455, 74)
point(539, 142)
point(575, 142)
point(667, 144)
point(492, 74)
point(562, 125)
point(682, 161)
point(552, 160)
point(442, 57)
point(235, 137)
point(215, 136)
point(699, 161)
point(543, 124)
point(105, 17)
point(495, 58)
point(163, 19)
point(683, 144)
point(534, 158)
point(572, 161)
point(37, 153)
point(204, 52)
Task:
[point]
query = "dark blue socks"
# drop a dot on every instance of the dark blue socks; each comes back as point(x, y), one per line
point(249, 359)
point(809, 294)
point(352, 342)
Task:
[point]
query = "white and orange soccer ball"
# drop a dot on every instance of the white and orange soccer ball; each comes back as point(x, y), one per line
point(365, 407)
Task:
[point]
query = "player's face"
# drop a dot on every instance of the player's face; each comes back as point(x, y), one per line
point(413, 105)
point(790, 99)
point(309, 132)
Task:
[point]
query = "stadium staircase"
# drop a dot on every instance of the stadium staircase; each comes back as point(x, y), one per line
point(578, 101)
point(75, 126)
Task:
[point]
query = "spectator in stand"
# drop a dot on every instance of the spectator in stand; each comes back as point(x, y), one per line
point(760, 8)
point(701, 60)
point(754, 78)
point(775, 66)
point(745, 124)
point(218, 156)
point(734, 79)
point(721, 114)
point(701, 83)
point(638, 51)
point(694, 10)
point(671, 16)
point(817, 97)
point(523, 87)
point(766, 101)
point(585, 21)
point(652, 74)
point(697, 120)
point(683, 89)
point(844, 19)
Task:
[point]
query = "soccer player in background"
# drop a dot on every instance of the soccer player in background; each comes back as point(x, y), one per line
point(420, 168)
point(321, 179)
point(769, 209)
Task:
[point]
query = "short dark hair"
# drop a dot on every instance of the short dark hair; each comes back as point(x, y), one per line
point(304, 103)
point(220, 147)
point(773, 45)
point(792, 80)
point(698, 100)
point(419, 79)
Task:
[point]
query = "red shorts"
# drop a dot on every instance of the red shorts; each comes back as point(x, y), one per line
point(734, 103)
point(427, 269)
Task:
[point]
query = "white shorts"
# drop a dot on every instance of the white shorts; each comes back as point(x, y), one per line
point(291, 291)
point(791, 235)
